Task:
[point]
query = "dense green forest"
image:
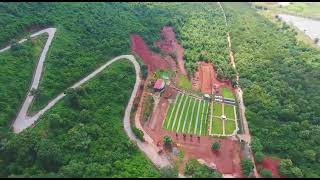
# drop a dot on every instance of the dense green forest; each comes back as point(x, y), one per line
point(280, 78)
point(87, 35)
point(17, 65)
point(82, 136)
point(203, 35)
point(84, 133)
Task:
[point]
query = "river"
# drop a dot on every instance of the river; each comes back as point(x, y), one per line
point(309, 26)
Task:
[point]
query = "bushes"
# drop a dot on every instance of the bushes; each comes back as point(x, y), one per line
point(197, 170)
point(169, 172)
point(247, 167)
point(215, 146)
point(266, 173)
point(138, 133)
point(259, 156)
point(148, 108)
point(287, 169)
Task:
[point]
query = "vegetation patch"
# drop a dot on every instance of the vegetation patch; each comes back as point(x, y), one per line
point(189, 115)
point(197, 170)
point(81, 142)
point(16, 69)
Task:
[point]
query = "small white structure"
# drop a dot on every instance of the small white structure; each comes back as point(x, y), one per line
point(224, 117)
point(207, 96)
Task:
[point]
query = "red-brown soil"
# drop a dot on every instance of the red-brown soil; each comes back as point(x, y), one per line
point(169, 44)
point(206, 79)
point(227, 160)
point(153, 60)
point(272, 164)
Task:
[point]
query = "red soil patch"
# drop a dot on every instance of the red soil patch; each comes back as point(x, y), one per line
point(206, 79)
point(169, 44)
point(152, 60)
point(272, 164)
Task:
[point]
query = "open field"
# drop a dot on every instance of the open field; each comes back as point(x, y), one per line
point(217, 123)
point(184, 82)
point(188, 115)
point(217, 126)
point(306, 9)
point(229, 126)
point(227, 93)
point(217, 109)
point(229, 111)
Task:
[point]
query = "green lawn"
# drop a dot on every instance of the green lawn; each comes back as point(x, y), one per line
point(184, 118)
point(169, 116)
point(217, 109)
point(184, 114)
point(204, 130)
point(176, 117)
point(217, 127)
point(230, 126)
point(229, 111)
point(198, 118)
point(188, 119)
point(226, 92)
point(184, 82)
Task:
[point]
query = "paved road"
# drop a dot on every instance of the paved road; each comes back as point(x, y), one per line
point(23, 121)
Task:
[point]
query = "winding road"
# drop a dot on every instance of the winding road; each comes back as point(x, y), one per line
point(23, 121)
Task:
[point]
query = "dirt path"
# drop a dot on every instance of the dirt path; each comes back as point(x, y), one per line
point(23, 121)
point(246, 134)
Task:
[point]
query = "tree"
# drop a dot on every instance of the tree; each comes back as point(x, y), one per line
point(144, 70)
point(259, 156)
point(54, 121)
point(197, 170)
point(310, 154)
point(287, 169)
point(15, 45)
point(138, 133)
point(296, 172)
point(215, 146)
point(266, 173)
point(49, 155)
point(84, 115)
point(256, 145)
point(247, 167)
point(284, 167)
point(167, 140)
point(72, 98)
point(169, 172)
point(74, 169)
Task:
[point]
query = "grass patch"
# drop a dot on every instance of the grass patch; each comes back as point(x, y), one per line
point(148, 108)
point(227, 93)
point(217, 109)
point(217, 127)
point(230, 126)
point(178, 114)
point(184, 82)
point(229, 111)
point(204, 129)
